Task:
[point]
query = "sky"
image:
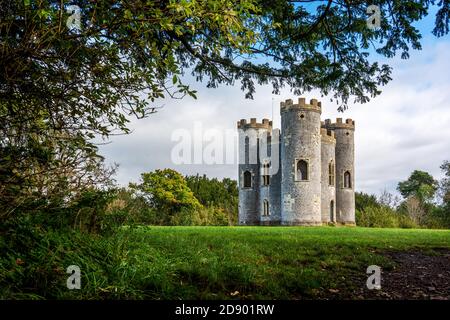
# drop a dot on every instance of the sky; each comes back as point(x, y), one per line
point(406, 128)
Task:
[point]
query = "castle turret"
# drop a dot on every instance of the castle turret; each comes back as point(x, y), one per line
point(301, 163)
point(328, 181)
point(345, 169)
point(252, 191)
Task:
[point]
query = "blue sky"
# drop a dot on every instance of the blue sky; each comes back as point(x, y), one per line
point(407, 127)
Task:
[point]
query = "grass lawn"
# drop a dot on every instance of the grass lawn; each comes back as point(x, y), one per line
point(220, 262)
point(262, 262)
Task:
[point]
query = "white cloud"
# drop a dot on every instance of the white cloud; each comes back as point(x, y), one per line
point(406, 128)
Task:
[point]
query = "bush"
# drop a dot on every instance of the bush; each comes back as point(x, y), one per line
point(83, 212)
point(382, 217)
point(129, 208)
point(364, 200)
point(405, 221)
point(207, 216)
point(438, 218)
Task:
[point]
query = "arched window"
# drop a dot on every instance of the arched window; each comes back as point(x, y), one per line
point(331, 210)
point(302, 170)
point(347, 179)
point(331, 173)
point(265, 174)
point(266, 208)
point(247, 179)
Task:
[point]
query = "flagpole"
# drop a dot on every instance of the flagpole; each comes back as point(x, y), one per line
point(273, 120)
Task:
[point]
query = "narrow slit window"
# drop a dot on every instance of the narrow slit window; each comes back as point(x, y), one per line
point(266, 175)
point(247, 150)
point(302, 170)
point(331, 173)
point(266, 208)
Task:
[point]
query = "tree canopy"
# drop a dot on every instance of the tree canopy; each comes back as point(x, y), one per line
point(420, 184)
point(127, 54)
point(213, 192)
point(166, 190)
point(64, 80)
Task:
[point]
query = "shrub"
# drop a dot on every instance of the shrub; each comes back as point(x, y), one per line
point(438, 218)
point(382, 217)
point(364, 200)
point(206, 216)
point(129, 208)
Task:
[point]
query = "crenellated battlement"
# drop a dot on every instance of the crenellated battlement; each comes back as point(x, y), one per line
point(327, 135)
point(265, 124)
point(313, 105)
point(339, 124)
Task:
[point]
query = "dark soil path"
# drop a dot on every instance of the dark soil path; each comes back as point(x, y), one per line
point(417, 275)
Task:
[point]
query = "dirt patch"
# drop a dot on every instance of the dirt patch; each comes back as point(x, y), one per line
point(416, 275)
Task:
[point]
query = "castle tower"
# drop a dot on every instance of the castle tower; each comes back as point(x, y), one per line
point(328, 181)
point(252, 191)
point(345, 169)
point(301, 163)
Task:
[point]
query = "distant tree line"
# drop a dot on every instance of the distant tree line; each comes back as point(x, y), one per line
point(424, 202)
point(165, 197)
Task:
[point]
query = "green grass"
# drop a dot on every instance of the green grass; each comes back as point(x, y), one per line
point(263, 262)
point(213, 262)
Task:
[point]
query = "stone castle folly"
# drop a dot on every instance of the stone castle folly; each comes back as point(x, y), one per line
point(301, 175)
